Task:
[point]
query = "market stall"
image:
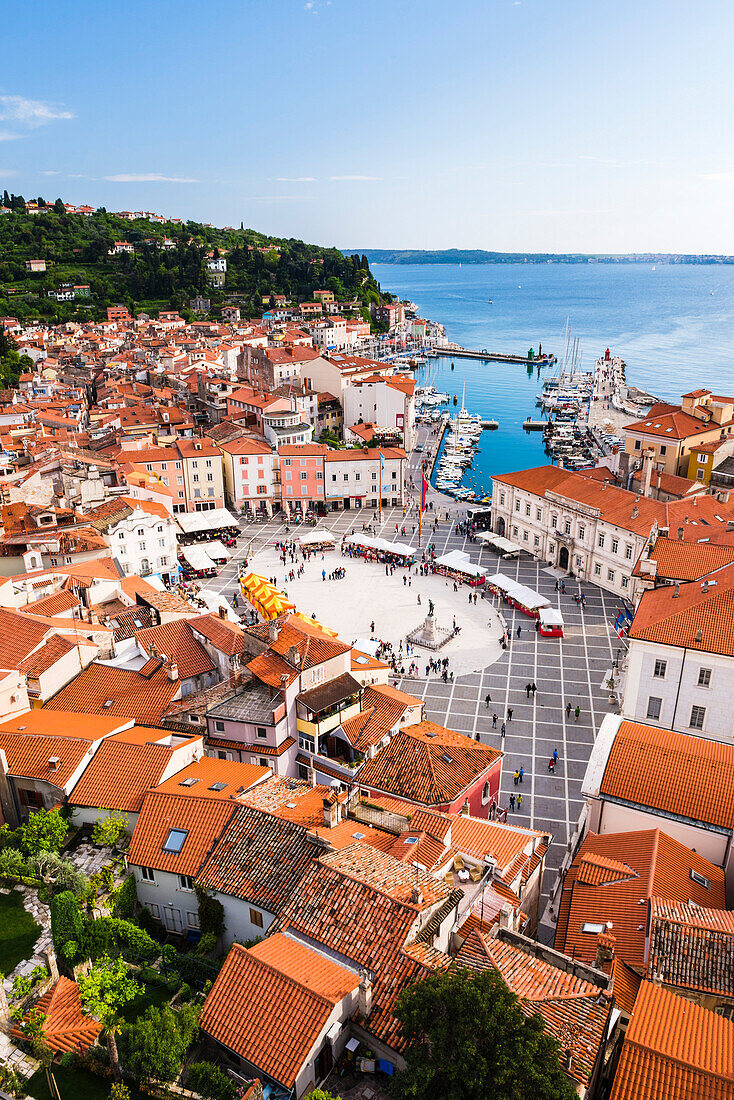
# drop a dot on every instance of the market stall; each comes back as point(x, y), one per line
point(196, 526)
point(458, 565)
point(376, 549)
point(216, 550)
point(196, 562)
point(518, 595)
point(499, 543)
point(314, 541)
point(551, 622)
point(267, 600)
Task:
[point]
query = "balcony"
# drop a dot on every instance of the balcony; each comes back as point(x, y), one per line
point(324, 708)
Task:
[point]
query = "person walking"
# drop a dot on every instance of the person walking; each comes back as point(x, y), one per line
point(518, 631)
point(533, 688)
point(503, 731)
point(516, 777)
point(576, 713)
point(551, 765)
point(487, 700)
point(494, 721)
point(521, 773)
point(512, 802)
point(528, 689)
point(568, 710)
point(519, 803)
point(555, 755)
point(509, 714)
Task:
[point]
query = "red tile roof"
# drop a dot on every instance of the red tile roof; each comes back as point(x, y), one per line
point(271, 1002)
point(232, 776)
point(119, 774)
point(41, 660)
point(675, 773)
point(674, 1049)
point(428, 764)
point(699, 617)
point(128, 693)
point(692, 948)
point(686, 561)
point(66, 1027)
point(175, 640)
point(202, 819)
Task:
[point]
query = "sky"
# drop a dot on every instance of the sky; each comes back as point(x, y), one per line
point(511, 125)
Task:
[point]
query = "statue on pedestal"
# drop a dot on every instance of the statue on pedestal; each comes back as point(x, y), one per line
point(430, 609)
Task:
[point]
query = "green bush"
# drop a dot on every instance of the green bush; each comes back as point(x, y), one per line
point(210, 1081)
point(155, 1045)
point(125, 898)
point(67, 922)
point(211, 914)
point(108, 830)
point(207, 943)
point(12, 863)
point(44, 831)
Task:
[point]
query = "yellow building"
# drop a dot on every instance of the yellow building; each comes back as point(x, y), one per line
point(675, 433)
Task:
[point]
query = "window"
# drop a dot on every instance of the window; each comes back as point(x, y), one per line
point(485, 794)
point(524, 536)
point(154, 910)
point(256, 918)
point(514, 532)
point(704, 677)
point(567, 526)
point(582, 532)
point(217, 787)
point(517, 505)
point(654, 706)
point(502, 498)
point(628, 552)
point(356, 477)
point(304, 475)
point(527, 509)
point(699, 879)
point(218, 726)
point(538, 514)
point(637, 445)
point(174, 842)
point(663, 450)
point(610, 575)
point(147, 874)
point(208, 464)
point(193, 919)
point(597, 570)
point(346, 477)
point(374, 477)
point(697, 716)
point(661, 667)
point(264, 762)
point(625, 582)
point(333, 477)
point(615, 545)
point(536, 541)
point(601, 541)
point(593, 929)
point(186, 882)
point(262, 733)
point(700, 473)
point(554, 521)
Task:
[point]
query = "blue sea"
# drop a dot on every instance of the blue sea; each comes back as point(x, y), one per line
point(672, 324)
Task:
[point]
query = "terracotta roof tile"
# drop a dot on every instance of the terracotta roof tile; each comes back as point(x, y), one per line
point(55, 604)
point(127, 692)
point(201, 819)
point(41, 660)
point(428, 764)
point(19, 636)
point(674, 1048)
point(29, 756)
point(223, 635)
point(692, 947)
point(686, 561)
point(699, 617)
point(66, 1027)
point(270, 1003)
point(176, 640)
point(119, 774)
point(209, 777)
point(674, 773)
point(575, 1011)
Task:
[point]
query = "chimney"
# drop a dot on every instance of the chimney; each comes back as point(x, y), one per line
point(465, 808)
point(53, 763)
point(365, 995)
point(273, 630)
point(646, 476)
point(153, 650)
point(416, 897)
point(680, 533)
point(222, 612)
point(699, 636)
point(605, 943)
point(173, 672)
point(294, 657)
point(676, 591)
point(330, 806)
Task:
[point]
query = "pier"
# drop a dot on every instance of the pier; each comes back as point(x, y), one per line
point(495, 356)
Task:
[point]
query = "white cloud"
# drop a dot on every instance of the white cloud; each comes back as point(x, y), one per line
point(296, 179)
point(5, 135)
point(147, 177)
point(30, 112)
point(355, 178)
point(51, 172)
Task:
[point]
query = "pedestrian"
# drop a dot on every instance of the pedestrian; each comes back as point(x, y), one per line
point(509, 714)
point(521, 773)
point(568, 710)
point(551, 765)
point(576, 713)
point(528, 689)
point(419, 599)
point(428, 669)
point(512, 802)
point(516, 777)
point(323, 574)
point(487, 700)
point(503, 731)
point(555, 755)
point(494, 720)
point(533, 688)
point(519, 803)
point(518, 632)
point(372, 626)
point(556, 586)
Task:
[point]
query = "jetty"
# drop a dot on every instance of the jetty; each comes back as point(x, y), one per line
point(455, 352)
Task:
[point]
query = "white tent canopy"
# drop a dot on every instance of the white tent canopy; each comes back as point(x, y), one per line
point(367, 645)
point(213, 520)
point(459, 561)
point(198, 558)
point(372, 543)
point(505, 547)
point(216, 550)
point(315, 538)
point(551, 616)
point(526, 597)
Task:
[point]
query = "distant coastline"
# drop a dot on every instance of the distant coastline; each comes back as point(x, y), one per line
point(480, 256)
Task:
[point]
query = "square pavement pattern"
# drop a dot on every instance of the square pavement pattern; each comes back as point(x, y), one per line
point(569, 670)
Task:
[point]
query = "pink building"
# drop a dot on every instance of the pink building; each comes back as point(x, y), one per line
point(302, 475)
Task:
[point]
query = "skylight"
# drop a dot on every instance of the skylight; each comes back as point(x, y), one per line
point(446, 758)
point(188, 782)
point(108, 703)
point(359, 836)
point(174, 842)
point(593, 929)
point(217, 786)
point(411, 840)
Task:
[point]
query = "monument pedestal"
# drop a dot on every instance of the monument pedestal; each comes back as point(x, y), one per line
point(430, 635)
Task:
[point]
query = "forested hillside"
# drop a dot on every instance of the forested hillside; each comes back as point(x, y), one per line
point(166, 269)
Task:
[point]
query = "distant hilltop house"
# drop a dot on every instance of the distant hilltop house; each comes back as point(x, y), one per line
point(121, 246)
point(35, 265)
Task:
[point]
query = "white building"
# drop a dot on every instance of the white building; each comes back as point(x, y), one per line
point(144, 540)
point(385, 402)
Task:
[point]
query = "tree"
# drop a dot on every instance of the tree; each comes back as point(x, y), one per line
point(156, 1044)
point(104, 992)
point(44, 831)
point(467, 1037)
point(210, 1082)
point(67, 925)
point(108, 830)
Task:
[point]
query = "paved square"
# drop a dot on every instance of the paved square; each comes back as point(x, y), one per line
point(568, 671)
